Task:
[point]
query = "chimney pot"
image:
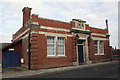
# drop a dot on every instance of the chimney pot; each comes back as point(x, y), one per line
point(26, 14)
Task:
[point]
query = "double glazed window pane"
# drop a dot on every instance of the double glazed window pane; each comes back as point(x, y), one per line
point(101, 47)
point(60, 46)
point(96, 49)
point(55, 44)
point(96, 46)
point(50, 45)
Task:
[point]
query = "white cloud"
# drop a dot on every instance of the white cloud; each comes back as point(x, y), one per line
point(91, 16)
point(5, 37)
point(93, 12)
point(61, 0)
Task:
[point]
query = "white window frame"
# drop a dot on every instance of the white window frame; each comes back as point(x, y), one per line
point(55, 47)
point(64, 47)
point(102, 46)
point(98, 47)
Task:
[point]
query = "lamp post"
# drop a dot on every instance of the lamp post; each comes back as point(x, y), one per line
point(89, 38)
point(76, 37)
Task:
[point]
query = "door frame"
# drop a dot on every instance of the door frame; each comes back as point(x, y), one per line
point(83, 53)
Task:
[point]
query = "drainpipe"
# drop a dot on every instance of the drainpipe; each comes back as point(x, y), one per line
point(29, 51)
point(33, 25)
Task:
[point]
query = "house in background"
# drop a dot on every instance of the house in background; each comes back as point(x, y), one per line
point(47, 43)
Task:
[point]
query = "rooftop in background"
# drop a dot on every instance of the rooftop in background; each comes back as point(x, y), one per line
point(3, 45)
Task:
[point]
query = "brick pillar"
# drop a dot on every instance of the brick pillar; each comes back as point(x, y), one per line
point(74, 51)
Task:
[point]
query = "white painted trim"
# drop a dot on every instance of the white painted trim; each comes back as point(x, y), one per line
point(80, 29)
point(86, 51)
point(11, 49)
point(50, 34)
point(56, 56)
point(47, 34)
point(55, 29)
point(102, 54)
point(96, 34)
point(81, 38)
point(35, 23)
point(94, 38)
point(21, 34)
point(25, 36)
point(96, 28)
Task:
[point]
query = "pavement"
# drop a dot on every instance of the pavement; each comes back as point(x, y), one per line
point(21, 71)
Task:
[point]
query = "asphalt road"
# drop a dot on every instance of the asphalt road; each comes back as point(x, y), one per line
point(109, 70)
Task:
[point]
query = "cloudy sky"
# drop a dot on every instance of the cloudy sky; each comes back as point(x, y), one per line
point(92, 11)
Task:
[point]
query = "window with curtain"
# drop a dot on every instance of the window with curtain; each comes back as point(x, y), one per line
point(50, 45)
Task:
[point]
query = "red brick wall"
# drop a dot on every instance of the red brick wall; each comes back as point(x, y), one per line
point(26, 14)
point(20, 31)
point(96, 58)
point(74, 51)
point(24, 52)
point(51, 23)
point(115, 54)
point(97, 30)
point(39, 59)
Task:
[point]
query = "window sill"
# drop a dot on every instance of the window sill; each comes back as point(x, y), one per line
point(102, 54)
point(96, 54)
point(56, 56)
point(99, 54)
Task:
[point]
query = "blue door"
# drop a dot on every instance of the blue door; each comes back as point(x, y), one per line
point(10, 59)
point(80, 53)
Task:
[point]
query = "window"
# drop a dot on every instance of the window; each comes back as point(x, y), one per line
point(96, 47)
point(50, 45)
point(55, 46)
point(99, 47)
point(60, 46)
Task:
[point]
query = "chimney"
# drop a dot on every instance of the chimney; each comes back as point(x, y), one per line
point(26, 14)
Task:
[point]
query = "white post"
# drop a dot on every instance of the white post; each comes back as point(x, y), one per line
point(87, 56)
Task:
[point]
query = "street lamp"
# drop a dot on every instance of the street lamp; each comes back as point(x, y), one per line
point(89, 38)
point(76, 38)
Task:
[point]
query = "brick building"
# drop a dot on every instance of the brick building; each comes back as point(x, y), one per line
point(48, 43)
